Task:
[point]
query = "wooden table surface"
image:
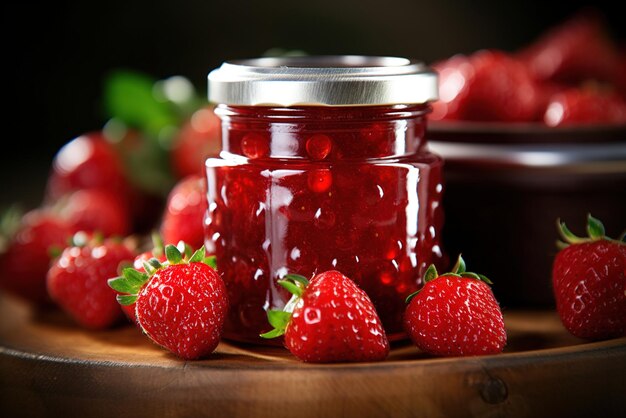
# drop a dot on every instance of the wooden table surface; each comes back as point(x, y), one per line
point(50, 367)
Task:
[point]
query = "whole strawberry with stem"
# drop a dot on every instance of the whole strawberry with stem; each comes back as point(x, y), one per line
point(77, 281)
point(589, 281)
point(329, 319)
point(180, 304)
point(455, 314)
point(158, 253)
point(27, 244)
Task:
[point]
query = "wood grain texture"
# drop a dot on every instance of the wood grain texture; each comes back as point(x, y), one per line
point(49, 367)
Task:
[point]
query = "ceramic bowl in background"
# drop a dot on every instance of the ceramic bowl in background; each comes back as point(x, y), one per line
point(506, 185)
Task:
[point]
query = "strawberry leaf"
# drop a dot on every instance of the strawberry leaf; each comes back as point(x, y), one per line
point(453, 275)
point(198, 256)
point(135, 277)
point(469, 275)
point(595, 229)
point(120, 284)
point(149, 268)
point(297, 278)
point(567, 235)
point(173, 255)
point(211, 261)
point(459, 266)
point(561, 245)
point(126, 300)
point(155, 264)
point(412, 295)
point(292, 287)
point(484, 279)
point(273, 334)
point(279, 320)
point(431, 274)
point(130, 282)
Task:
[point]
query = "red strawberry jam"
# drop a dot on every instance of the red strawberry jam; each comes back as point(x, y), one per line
point(306, 189)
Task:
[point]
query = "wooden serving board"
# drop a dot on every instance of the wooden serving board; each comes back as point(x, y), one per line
point(50, 367)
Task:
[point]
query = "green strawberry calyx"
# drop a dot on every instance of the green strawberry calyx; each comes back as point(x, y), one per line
point(458, 271)
point(595, 232)
point(279, 318)
point(130, 283)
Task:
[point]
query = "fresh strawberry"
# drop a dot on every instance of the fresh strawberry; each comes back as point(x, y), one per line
point(184, 214)
point(577, 50)
point(180, 304)
point(585, 106)
point(455, 314)
point(77, 281)
point(589, 282)
point(87, 162)
point(489, 85)
point(198, 139)
point(96, 210)
point(455, 75)
point(25, 256)
point(329, 319)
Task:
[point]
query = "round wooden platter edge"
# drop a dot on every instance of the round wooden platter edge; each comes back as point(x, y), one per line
point(545, 372)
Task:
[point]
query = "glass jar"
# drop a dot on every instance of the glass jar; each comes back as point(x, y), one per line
point(324, 167)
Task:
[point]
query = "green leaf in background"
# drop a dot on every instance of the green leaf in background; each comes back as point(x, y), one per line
point(146, 160)
point(129, 96)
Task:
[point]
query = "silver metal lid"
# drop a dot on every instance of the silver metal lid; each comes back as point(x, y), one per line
point(323, 80)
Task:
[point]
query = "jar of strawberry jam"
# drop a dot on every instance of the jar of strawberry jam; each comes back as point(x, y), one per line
point(324, 167)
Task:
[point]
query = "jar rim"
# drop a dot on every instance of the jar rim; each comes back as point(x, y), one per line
point(341, 80)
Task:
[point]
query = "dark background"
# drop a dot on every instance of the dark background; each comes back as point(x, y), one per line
point(57, 54)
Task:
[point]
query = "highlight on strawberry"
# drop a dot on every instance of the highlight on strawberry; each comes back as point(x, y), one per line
point(328, 319)
point(180, 304)
point(77, 280)
point(455, 314)
point(589, 283)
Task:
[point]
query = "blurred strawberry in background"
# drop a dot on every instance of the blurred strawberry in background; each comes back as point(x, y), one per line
point(115, 182)
point(96, 210)
point(488, 85)
point(87, 162)
point(585, 105)
point(547, 81)
point(27, 246)
point(198, 139)
point(577, 50)
point(184, 213)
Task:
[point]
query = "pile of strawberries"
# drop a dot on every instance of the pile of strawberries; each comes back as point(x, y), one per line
point(77, 252)
point(574, 74)
point(84, 248)
point(99, 204)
